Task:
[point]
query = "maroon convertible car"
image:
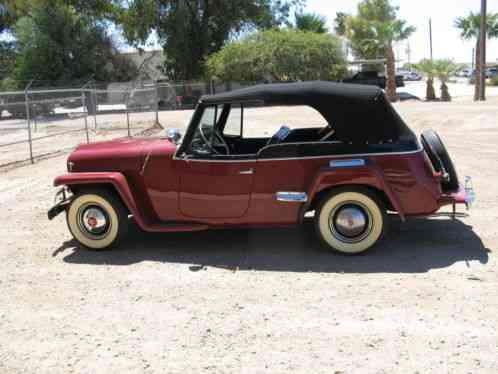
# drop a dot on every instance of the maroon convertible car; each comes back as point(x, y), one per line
point(361, 163)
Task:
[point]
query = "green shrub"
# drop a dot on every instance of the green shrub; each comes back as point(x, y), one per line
point(493, 81)
point(282, 55)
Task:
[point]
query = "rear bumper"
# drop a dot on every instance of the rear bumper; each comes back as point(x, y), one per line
point(465, 195)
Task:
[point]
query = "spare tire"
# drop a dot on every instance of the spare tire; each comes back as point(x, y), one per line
point(440, 159)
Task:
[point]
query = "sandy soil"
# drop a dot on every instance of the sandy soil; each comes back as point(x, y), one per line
point(424, 301)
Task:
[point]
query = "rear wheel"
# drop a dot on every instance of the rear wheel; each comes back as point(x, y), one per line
point(97, 220)
point(350, 221)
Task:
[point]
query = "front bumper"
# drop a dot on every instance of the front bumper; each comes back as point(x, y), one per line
point(62, 202)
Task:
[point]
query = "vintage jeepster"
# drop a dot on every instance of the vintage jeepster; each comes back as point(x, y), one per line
point(361, 163)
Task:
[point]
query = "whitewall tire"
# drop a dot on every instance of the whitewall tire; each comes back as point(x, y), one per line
point(350, 221)
point(97, 220)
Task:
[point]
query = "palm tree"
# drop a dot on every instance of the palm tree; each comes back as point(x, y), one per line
point(384, 35)
point(428, 68)
point(389, 32)
point(375, 29)
point(470, 29)
point(311, 22)
point(443, 69)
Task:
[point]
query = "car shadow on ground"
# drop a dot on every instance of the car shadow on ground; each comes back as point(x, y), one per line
point(416, 246)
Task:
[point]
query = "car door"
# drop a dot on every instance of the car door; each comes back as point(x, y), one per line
point(214, 185)
point(215, 188)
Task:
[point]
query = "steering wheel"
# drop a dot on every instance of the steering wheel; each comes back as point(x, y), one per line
point(210, 145)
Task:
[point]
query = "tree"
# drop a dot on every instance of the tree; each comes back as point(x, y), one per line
point(311, 22)
point(191, 30)
point(428, 68)
point(7, 59)
point(469, 27)
point(340, 23)
point(55, 43)
point(6, 19)
point(279, 55)
point(372, 33)
point(12, 10)
point(443, 70)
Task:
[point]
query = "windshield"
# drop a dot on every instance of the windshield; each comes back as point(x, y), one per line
point(204, 133)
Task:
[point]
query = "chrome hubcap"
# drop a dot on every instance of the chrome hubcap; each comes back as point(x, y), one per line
point(350, 222)
point(93, 221)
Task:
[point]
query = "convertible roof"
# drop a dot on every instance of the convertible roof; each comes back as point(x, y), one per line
point(282, 93)
point(356, 112)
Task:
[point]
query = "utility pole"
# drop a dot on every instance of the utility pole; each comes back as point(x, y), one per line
point(408, 55)
point(430, 36)
point(473, 58)
point(482, 40)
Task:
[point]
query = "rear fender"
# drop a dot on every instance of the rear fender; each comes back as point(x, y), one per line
point(117, 180)
point(368, 175)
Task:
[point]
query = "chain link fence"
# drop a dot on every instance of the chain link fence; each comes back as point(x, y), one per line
point(39, 122)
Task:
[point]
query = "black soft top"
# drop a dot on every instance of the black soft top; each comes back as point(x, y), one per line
point(357, 113)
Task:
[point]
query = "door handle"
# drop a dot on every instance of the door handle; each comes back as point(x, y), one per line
point(246, 171)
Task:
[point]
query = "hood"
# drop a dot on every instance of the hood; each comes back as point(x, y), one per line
point(117, 155)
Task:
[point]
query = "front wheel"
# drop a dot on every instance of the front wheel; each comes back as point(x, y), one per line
point(97, 220)
point(350, 221)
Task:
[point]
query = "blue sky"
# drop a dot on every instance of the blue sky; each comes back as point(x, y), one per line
point(446, 39)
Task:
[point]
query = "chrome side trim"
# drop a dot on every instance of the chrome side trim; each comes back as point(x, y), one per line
point(303, 143)
point(347, 163)
point(292, 197)
point(342, 156)
point(246, 171)
point(308, 157)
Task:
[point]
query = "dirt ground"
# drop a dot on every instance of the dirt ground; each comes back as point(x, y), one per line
point(424, 301)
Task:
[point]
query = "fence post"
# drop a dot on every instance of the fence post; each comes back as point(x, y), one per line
point(157, 103)
point(85, 116)
point(127, 101)
point(28, 121)
point(96, 102)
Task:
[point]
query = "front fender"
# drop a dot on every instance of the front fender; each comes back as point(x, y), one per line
point(368, 175)
point(116, 179)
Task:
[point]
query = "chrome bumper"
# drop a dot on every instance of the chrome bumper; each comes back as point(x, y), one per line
point(469, 193)
point(62, 201)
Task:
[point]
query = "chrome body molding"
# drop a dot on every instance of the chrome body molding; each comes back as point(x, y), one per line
point(292, 197)
point(255, 159)
point(347, 163)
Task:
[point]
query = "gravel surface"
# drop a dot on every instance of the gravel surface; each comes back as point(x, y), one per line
point(253, 301)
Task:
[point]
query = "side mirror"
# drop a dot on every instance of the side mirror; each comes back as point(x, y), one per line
point(173, 135)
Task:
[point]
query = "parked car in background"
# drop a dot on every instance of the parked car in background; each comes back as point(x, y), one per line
point(491, 72)
point(465, 73)
point(347, 172)
point(373, 78)
point(409, 75)
point(15, 107)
